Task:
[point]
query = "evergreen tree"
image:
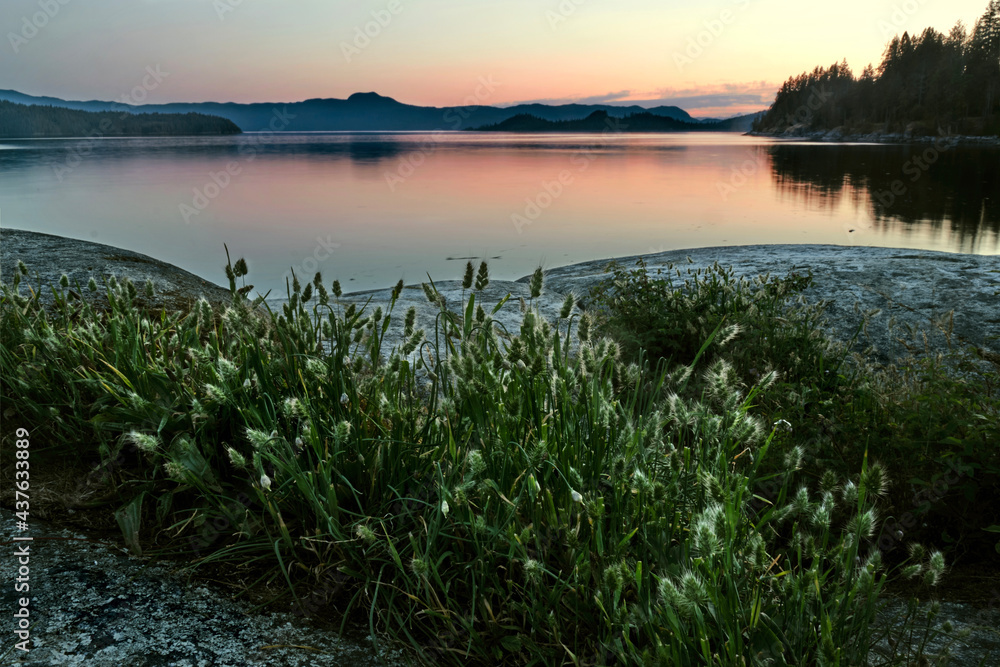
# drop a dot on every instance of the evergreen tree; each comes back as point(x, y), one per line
point(26, 121)
point(925, 83)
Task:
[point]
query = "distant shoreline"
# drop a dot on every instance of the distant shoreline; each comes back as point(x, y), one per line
point(22, 121)
point(601, 122)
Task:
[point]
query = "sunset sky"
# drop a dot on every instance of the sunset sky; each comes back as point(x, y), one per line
point(434, 52)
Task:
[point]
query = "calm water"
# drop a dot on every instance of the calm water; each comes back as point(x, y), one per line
point(372, 208)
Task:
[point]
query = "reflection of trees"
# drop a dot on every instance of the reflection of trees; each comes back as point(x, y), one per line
point(22, 120)
point(959, 193)
point(358, 151)
point(374, 151)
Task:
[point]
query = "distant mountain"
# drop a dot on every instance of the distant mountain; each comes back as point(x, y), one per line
point(599, 121)
point(359, 112)
point(579, 111)
point(740, 123)
point(24, 121)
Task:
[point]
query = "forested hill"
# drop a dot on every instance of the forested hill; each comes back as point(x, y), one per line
point(23, 121)
point(928, 84)
point(600, 121)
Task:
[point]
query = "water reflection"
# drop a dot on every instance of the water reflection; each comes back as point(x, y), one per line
point(377, 207)
point(928, 190)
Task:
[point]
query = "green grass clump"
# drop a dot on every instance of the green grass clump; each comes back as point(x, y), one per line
point(932, 418)
point(671, 312)
point(481, 495)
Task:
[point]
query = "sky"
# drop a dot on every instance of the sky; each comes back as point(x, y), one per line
point(713, 58)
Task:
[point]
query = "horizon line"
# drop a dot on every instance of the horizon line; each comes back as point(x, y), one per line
point(613, 103)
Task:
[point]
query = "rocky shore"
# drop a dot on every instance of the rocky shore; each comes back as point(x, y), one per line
point(951, 297)
point(49, 257)
point(94, 605)
point(121, 609)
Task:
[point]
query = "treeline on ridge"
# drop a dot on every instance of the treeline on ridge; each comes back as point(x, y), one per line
point(26, 121)
point(601, 121)
point(927, 84)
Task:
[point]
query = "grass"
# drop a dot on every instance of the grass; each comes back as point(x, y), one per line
point(933, 419)
point(686, 473)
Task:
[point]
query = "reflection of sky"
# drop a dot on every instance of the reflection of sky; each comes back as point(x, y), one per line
point(398, 209)
point(713, 58)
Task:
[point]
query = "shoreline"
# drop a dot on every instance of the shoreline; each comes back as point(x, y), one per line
point(909, 283)
point(799, 134)
point(911, 288)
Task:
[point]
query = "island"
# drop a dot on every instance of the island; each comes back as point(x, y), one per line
point(601, 121)
point(21, 121)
